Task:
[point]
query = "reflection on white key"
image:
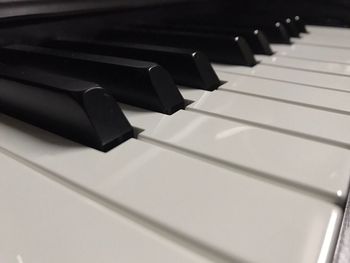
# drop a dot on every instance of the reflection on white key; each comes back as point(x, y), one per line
point(219, 213)
point(304, 64)
point(318, 53)
point(289, 92)
point(277, 156)
point(42, 221)
point(315, 79)
point(321, 125)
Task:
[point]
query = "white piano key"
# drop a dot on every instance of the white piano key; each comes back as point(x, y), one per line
point(328, 31)
point(42, 221)
point(277, 156)
point(257, 149)
point(318, 53)
point(315, 79)
point(296, 119)
point(331, 100)
point(324, 40)
point(310, 65)
point(223, 212)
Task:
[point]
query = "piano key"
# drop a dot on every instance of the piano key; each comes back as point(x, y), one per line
point(275, 31)
point(42, 220)
point(314, 79)
point(334, 41)
point(263, 16)
point(299, 22)
point(187, 67)
point(291, 27)
point(288, 24)
point(78, 110)
point(305, 65)
point(150, 188)
point(225, 49)
point(317, 53)
point(139, 83)
point(303, 121)
point(254, 37)
point(329, 100)
point(226, 141)
point(330, 31)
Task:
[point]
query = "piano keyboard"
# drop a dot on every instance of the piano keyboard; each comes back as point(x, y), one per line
point(177, 143)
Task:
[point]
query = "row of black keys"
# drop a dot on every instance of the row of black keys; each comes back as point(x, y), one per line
point(66, 86)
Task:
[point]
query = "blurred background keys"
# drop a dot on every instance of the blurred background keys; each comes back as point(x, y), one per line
point(219, 48)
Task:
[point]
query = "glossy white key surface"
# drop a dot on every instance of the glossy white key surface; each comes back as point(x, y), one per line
point(276, 156)
point(328, 126)
point(225, 214)
point(41, 221)
point(328, 31)
point(324, 40)
point(318, 53)
point(303, 64)
point(331, 100)
point(315, 79)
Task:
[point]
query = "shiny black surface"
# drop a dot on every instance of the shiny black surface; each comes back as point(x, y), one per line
point(78, 110)
point(255, 38)
point(219, 48)
point(187, 67)
point(138, 83)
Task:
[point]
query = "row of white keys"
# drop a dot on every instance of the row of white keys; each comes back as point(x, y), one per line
point(326, 49)
point(317, 124)
point(331, 100)
point(318, 66)
point(325, 36)
point(298, 76)
point(268, 154)
point(323, 40)
point(292, 75)
point(42, 221)
point(320, 124)
point(326, 125)
point(308, 65)
point(220, 214)
point(317, 53)
point(329, 31)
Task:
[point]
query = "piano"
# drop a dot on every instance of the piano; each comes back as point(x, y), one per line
point(174, 131)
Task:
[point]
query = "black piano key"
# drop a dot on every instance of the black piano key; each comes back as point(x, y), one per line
point(222, 49)
point(78, 110)
point(187, 67)
point(255, 38)
point(291, 27)
point(300, 24)
point(275, 32)
point(261, 14)
point(142, 84)
point(267, 21)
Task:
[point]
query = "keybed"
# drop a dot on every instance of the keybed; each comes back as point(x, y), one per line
point(208, 137)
